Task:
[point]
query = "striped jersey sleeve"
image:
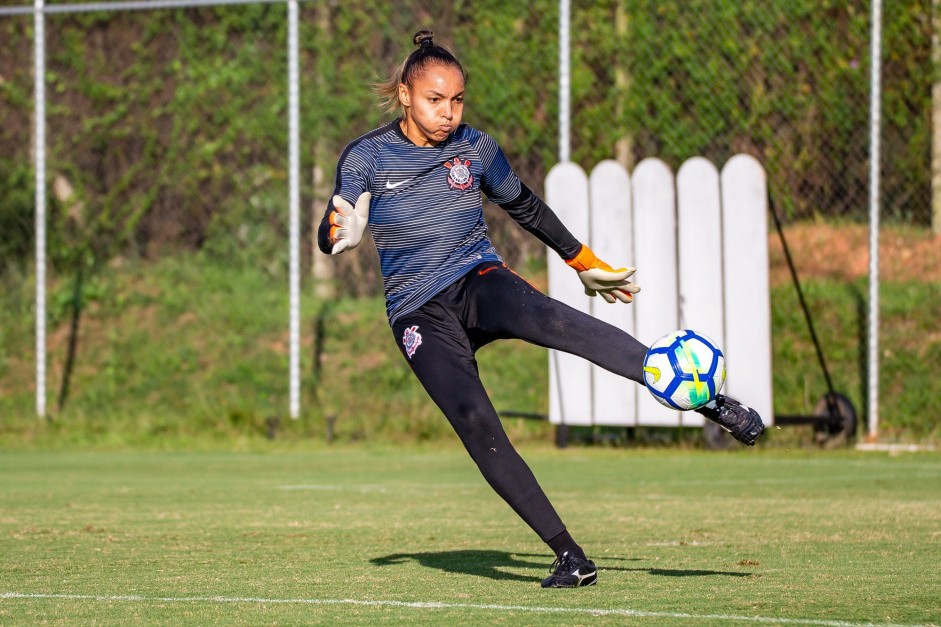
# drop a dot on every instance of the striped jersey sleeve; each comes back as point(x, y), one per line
point(500, 183)
point(503, 187)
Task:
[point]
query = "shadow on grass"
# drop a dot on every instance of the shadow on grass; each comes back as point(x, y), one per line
point(670, 572)
point(491, 564)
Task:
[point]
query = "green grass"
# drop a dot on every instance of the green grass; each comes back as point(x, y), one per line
point(186, 351)
point(189, 351)
point(910, 357)
point(680, 537)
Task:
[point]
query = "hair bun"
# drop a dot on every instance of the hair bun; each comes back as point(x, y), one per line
point(424, 39)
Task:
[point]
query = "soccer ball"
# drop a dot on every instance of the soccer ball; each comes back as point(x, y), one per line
point(684, 370)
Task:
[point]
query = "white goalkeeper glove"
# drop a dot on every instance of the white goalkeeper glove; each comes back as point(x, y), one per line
point(600, 278)
point(347, 222)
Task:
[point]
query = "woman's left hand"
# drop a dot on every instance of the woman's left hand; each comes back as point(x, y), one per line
point(600, 278)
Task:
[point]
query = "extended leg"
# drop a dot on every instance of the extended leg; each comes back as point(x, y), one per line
point(506, 306)
point(443, 361)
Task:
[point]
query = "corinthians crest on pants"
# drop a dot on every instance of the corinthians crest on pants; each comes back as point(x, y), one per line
point(411, 340)
point(459, 174)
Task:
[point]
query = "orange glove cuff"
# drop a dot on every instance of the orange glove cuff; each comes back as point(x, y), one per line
point(586, 260)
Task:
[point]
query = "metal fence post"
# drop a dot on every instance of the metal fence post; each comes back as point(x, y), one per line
point(564, 81)
point(39, 111)
point(874, 127)
point(294, 166)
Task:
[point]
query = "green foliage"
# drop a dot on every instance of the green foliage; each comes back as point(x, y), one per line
point(17, 213)
point(910, 350)
point(513, 89)
point(785, 82)
point(169, 127)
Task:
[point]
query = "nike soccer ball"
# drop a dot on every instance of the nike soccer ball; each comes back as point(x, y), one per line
point(684, 370)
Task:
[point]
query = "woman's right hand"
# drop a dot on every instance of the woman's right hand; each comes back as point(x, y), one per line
point(347, 222)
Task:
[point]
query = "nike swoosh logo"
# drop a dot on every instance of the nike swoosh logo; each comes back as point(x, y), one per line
point(391, 185)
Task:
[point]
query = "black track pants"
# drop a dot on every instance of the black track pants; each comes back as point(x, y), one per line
point(492, 302)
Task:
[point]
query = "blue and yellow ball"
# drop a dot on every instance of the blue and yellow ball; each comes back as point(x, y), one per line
point(684, 369)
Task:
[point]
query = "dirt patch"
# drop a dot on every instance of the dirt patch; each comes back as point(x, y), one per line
point(842, 252)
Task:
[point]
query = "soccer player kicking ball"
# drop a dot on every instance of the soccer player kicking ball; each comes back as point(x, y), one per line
point(417, 184)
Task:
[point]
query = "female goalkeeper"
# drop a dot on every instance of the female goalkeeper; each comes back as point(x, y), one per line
point(417, 183)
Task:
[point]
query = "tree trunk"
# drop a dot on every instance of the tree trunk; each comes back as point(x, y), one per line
point(624, 149)
point(322, 267)
point(72, 351)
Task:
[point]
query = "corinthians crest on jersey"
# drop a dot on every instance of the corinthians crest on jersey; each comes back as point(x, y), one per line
point(459, 174)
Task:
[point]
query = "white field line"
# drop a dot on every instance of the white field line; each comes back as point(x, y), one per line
point(886, 447)
point(316, 487)
point(435, 605)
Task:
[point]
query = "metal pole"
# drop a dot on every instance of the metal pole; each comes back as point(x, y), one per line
point(564, 81)
point(39, 76)
point(295, 207)
point(130, 5)
point(874, 128)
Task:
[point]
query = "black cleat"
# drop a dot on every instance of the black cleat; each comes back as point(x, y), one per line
point(742, 422)
point(569, 571)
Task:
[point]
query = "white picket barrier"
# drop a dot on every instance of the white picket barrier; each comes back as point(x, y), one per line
point(747, 295)
point(569, 376)
point(698, 210)
point(656, 307)
point(699, 242)
point(610, 187)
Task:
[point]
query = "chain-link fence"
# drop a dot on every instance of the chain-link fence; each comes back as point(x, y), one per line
point(166, 153)
point(787, 82)
point(167, 141)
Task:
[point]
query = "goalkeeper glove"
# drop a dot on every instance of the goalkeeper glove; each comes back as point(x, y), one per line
point(347, 222)
point(600, 278)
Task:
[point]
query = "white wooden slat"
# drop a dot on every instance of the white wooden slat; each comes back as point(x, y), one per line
point(569, 376)
point(613, 397)
point(747, 296)
point(699, 244)
point(656, 307)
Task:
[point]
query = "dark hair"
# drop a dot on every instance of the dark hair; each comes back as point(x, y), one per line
point(426, 54)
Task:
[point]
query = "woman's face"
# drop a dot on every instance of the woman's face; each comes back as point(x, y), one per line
point(434, 104)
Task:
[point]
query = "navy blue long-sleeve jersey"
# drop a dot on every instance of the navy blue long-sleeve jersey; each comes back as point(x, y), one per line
point(426, 215)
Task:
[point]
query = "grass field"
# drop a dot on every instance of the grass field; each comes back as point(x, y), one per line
point(364, 535)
